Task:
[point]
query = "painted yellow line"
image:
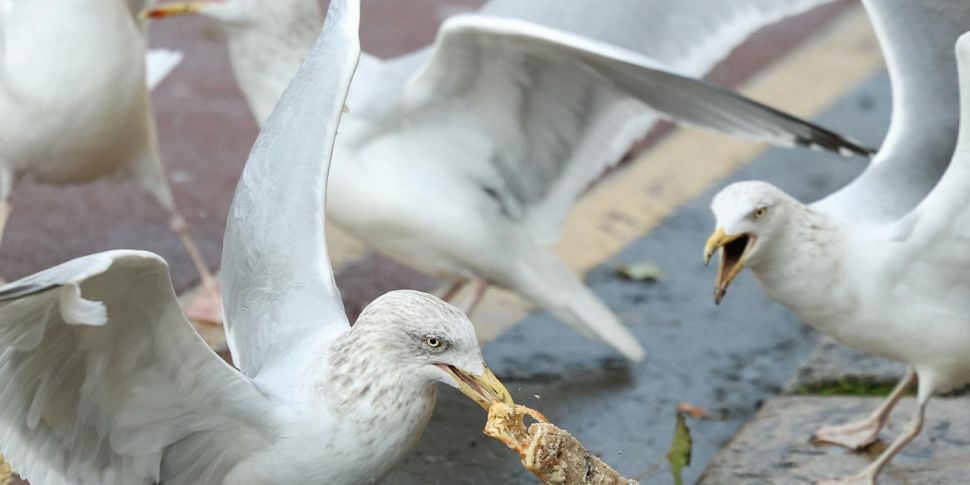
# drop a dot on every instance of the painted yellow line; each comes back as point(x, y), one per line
point(632, 201)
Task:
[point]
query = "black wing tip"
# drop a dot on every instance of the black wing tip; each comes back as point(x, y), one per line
point(16, 291)
point(831, 142)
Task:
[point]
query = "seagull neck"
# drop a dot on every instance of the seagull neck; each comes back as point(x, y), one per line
point(803, 264)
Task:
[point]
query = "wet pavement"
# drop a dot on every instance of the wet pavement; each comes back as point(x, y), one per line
point(727, 359)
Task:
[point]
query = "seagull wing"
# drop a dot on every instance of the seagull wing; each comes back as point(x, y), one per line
point(693, 35)
point(102, 373)
point(558, 109)
point(930, 255)
point(278, 285)
point(917, 41)
point(159, 63)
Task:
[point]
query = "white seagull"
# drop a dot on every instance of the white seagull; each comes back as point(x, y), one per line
point(105, 381)
point(881, 265)
point(463, 159)
point(75, 107)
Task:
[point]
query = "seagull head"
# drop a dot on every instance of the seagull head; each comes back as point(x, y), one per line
point(432, 341)
point(749, 215)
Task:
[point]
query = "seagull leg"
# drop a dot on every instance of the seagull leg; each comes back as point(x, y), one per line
point(478, 289)
point(479, 286)
point(871, 473)
point(6, 186)
point(452, 290)
point(4, 214)
point(859, 434)
point(206, 305)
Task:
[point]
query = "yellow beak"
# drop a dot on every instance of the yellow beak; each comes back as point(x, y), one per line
point(729, 264)
point(173, 8)
point(485, 389)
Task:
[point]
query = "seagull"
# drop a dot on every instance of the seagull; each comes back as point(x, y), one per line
point(105, 381)
point(75, 107)
point(882, 264)
point(463, 159)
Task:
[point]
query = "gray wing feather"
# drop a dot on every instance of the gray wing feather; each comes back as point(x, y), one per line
point(102, 376)
point(928, 254)
point(559, 109)
point(917, 41)
point(278, 285)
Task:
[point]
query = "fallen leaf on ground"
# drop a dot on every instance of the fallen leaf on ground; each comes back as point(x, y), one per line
point(680, 450)
point(642, 271)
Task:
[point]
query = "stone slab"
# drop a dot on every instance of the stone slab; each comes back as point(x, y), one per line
point(774, 448)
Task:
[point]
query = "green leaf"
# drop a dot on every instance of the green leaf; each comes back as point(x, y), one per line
point(642, 271)
point(680, 449)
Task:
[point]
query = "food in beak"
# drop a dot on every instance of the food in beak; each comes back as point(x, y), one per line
point(172, 8)
point(485, 389)
point(733, 254)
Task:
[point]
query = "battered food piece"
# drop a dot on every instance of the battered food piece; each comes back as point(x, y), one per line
point(548, 452)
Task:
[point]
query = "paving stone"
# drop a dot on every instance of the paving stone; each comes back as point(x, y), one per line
point(774, 447)
point(833, 366)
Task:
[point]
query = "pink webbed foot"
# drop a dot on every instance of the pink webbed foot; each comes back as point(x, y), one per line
point(206, 306)
point(854, 436)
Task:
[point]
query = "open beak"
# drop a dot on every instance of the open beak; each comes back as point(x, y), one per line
point(734, 252)
point(173, 8)
point(485, 389)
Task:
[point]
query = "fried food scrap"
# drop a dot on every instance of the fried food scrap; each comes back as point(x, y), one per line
point(548, 452)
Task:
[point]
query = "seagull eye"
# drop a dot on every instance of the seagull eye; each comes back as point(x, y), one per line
point(760, 212)
point(433, 342)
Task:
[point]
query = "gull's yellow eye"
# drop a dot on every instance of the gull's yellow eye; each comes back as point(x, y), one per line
point(432, 342)
point(760, 212)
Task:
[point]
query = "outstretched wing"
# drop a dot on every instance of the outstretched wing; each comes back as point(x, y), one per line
point(556, 110)
point(278, 287)
point(102, 373)
point(917, 41)
point(159, 63)
point(931, 245)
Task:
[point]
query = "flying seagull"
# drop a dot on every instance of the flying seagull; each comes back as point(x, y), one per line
point(75, 107)
point(463, 159)
point(882, 264)
point(105, 381)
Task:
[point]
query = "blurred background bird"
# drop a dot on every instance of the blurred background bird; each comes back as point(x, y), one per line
point(75, 107)
point(463, 159)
